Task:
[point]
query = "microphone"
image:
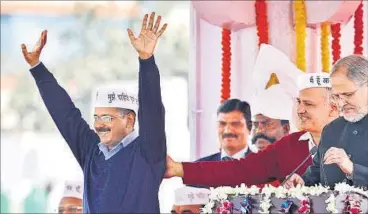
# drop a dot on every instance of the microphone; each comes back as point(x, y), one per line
point(323, 170)
point(311, 152)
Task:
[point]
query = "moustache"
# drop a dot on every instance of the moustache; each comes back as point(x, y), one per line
point(229, 135)
point(347, 107)
point(304, 116)
point(103, 129)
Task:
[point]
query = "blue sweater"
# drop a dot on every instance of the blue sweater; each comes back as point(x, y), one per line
point(129, 181)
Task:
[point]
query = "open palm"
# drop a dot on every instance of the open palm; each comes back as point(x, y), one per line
point(33, 57)
point(145, 43)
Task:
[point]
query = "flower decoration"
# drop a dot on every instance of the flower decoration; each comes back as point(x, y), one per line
point(265, 205)
point(325, 47)
point(358, 30)
point(226, 64)
point(226, 207)
point(246, 205)
point(221, 198)
point(261, 21)
point(301, 33)
point(208, 207)
point(352, 205)
point(331, 204)
point(285, 206)
point(305, 206)
point(345, 188)
point(335, 45)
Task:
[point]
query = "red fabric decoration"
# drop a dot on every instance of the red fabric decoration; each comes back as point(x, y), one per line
point(226, 64)
point(359, 28)
point(336, 47)
point(261, 21)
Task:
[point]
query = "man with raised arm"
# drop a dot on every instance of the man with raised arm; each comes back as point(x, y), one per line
point(122, 169)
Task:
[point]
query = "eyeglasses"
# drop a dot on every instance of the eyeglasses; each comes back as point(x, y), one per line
point(348, 95)
point(344, 96)
point(104, 118)
point(69, 209)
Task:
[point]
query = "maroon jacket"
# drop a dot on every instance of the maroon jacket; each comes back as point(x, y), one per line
point(277, 160)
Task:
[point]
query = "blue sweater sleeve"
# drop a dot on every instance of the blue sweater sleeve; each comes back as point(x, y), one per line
point(151, 112)
point(66, 116)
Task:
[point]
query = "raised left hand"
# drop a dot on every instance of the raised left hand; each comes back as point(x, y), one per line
point(145, 43)
point(339, 157)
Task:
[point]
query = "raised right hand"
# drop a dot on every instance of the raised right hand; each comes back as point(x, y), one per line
point(294, 180)
point(33, 58)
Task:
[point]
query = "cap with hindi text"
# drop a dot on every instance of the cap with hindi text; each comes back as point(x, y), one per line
point(73, 188)
point(191, 196)
point(314, 80)
point(117, 97)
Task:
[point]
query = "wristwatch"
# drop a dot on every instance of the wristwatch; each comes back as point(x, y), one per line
point(351, 176)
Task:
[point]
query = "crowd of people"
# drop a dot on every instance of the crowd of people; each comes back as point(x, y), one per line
point(124, 159)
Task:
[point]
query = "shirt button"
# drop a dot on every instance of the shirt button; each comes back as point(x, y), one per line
point(355, 132)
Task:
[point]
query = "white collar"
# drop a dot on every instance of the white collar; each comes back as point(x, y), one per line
point(307, 136)
point(237, 155)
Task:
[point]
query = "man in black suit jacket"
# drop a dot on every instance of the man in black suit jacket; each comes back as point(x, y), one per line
point(233, 126)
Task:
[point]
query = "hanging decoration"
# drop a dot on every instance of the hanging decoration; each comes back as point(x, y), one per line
point(226, 64)
point(262, 32)
point(358, 30)
point(300, 29)
point(336, 47)
point(261, 21)
point(325, 47)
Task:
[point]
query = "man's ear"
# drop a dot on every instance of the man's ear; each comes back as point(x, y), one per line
point(131, 120)
point(334, 112)
point(286, 128)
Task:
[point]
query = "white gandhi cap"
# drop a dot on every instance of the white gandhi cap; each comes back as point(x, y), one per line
point(73, 188)
point(314, 80)
point(117, 97)
point(191, 196)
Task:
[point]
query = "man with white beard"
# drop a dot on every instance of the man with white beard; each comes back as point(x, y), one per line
point(342, 152)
